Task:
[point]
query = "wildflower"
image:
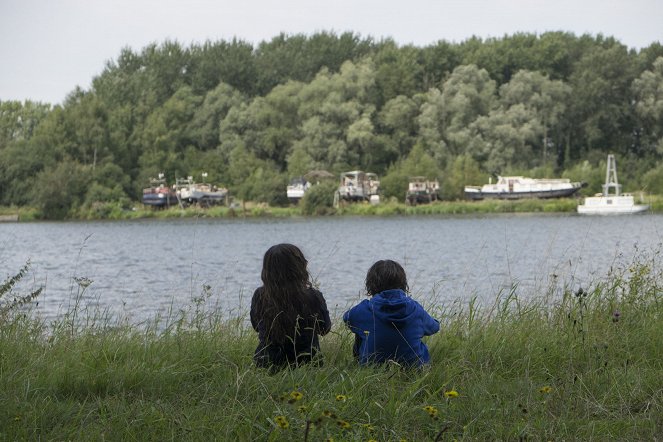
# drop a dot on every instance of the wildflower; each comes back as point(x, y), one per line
point(343, 424)
point(451, 393)
point(83, 281)
point(616, 315)
point(432, 411)
point(341, 397)
point(370, 428)
point(545, 390)
point(295, 396)
point(302, 408)
point(282, 422)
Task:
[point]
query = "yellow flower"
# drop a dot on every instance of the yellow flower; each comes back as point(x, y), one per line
point(341, 397)
point(282, 422)
point(432, 411)
point(451, 393)
point(296, 396)
point(302, 408)
point(343, 424)
point(545, 390)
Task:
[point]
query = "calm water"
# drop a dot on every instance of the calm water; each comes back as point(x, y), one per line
point(141, 268)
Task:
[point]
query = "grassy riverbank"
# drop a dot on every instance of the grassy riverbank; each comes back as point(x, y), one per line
point(585, 366)
point(111, 212)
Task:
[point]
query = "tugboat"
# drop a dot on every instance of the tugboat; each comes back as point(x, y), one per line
point(608, 203)
point(421, 191)
point(517, 187)
point(159, 195)
point(358, 186)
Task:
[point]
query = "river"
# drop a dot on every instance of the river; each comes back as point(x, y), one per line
point(139, 269)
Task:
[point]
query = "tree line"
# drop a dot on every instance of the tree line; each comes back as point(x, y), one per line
point(253, 117)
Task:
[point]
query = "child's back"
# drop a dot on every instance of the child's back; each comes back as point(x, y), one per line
point(390, 325)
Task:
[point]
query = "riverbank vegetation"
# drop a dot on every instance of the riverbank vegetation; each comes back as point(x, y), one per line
point(253, 117)
point(322, 205)
point(582, 364)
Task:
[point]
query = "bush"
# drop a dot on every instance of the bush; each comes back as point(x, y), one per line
point(319, 199)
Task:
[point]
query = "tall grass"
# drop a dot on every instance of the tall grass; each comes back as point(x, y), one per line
point(585, 365)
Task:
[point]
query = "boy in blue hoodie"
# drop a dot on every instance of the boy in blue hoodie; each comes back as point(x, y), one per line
point(389, 325)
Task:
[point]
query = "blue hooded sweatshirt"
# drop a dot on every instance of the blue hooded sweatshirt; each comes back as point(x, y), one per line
point(389, 326)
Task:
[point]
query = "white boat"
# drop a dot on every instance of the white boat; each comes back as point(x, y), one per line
point(359, 186)
point(517, 187)
point(296, 189)
point(611, 203)
point(189, 192)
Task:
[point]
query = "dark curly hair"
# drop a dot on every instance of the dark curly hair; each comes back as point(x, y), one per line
point(385, 275)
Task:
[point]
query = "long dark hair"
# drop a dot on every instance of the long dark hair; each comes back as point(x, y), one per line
point(385, 275)
point(286, 297)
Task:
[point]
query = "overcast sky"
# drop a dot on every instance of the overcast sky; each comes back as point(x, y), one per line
point(48, 47)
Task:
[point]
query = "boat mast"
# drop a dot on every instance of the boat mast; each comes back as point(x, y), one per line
point(611, 177)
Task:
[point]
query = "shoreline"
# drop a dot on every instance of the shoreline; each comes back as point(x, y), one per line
point(255, 210)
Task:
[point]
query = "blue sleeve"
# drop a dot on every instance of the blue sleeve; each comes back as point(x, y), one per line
point(430, 324)
point(352, 325)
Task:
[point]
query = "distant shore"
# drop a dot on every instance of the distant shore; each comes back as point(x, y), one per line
point(250, 210)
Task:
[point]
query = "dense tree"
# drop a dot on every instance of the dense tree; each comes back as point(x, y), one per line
point(545, 102)
point(648, 92)
point(252, 117)
point(601, 101)
point(19, 120)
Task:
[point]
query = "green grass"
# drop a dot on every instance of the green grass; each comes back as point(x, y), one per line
point(582, 366)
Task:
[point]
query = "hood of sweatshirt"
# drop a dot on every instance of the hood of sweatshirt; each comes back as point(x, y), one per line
point(393, 306)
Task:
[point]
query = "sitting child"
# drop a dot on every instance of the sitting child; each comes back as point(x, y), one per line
point(286, 311)
point(390, 325)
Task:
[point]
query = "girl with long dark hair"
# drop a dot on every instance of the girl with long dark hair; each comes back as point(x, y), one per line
point(286, 311)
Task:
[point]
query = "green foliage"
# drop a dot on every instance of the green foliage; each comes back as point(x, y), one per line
point(11, 301)
point(653, 179)
point(463, 172)
point(339, 102)
point(59, 190)
point(319, 199)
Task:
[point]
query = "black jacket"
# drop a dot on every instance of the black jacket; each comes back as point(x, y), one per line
point(303, 347)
